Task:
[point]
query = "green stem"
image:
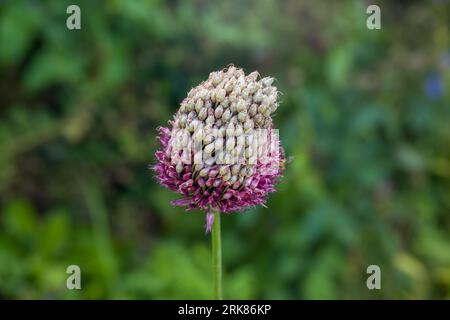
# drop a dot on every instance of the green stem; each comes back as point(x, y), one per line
point(217, 257)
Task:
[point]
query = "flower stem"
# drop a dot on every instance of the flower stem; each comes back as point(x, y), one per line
point(217, 257)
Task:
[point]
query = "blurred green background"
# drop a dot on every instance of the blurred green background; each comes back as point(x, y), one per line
point(365, 117)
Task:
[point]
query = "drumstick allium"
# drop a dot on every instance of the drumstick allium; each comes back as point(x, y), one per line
point(221, 151)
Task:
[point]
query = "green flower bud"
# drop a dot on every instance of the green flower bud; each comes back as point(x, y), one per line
point(230, 130)
point(203, 114)
point(241, 106)
point(220, 95)
point(230, 143)
point(198, 105)
point(226, 115)
point(235, 169)
point(210, 120)
point(223, 170)
point(242, 116)
point(203, 172)
point(267, 81)
point(218, 112)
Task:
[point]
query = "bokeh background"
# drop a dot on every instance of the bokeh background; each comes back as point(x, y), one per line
point(364, 117)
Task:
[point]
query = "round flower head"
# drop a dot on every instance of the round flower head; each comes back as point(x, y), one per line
point(221, 151)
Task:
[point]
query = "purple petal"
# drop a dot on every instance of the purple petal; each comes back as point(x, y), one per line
point(209, 221)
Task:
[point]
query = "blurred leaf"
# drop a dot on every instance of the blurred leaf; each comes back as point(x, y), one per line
point(19, 219)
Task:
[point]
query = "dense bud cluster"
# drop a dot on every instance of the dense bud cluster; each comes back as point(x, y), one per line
point(222, 152)
point(222, 113)
point(229, 97)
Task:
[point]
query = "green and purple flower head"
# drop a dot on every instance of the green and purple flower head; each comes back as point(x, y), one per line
point(221, 151)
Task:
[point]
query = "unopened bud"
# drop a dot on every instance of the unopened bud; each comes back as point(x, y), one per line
point(198, 105)
point(226, 115)
point(203, 114)
point(220, 95)
point(218, 112)
point(242, 116)
point(230, 143)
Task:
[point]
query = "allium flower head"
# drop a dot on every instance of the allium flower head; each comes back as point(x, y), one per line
point(221, 151)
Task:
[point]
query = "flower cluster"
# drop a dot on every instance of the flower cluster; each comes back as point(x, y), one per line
point(221, 151)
